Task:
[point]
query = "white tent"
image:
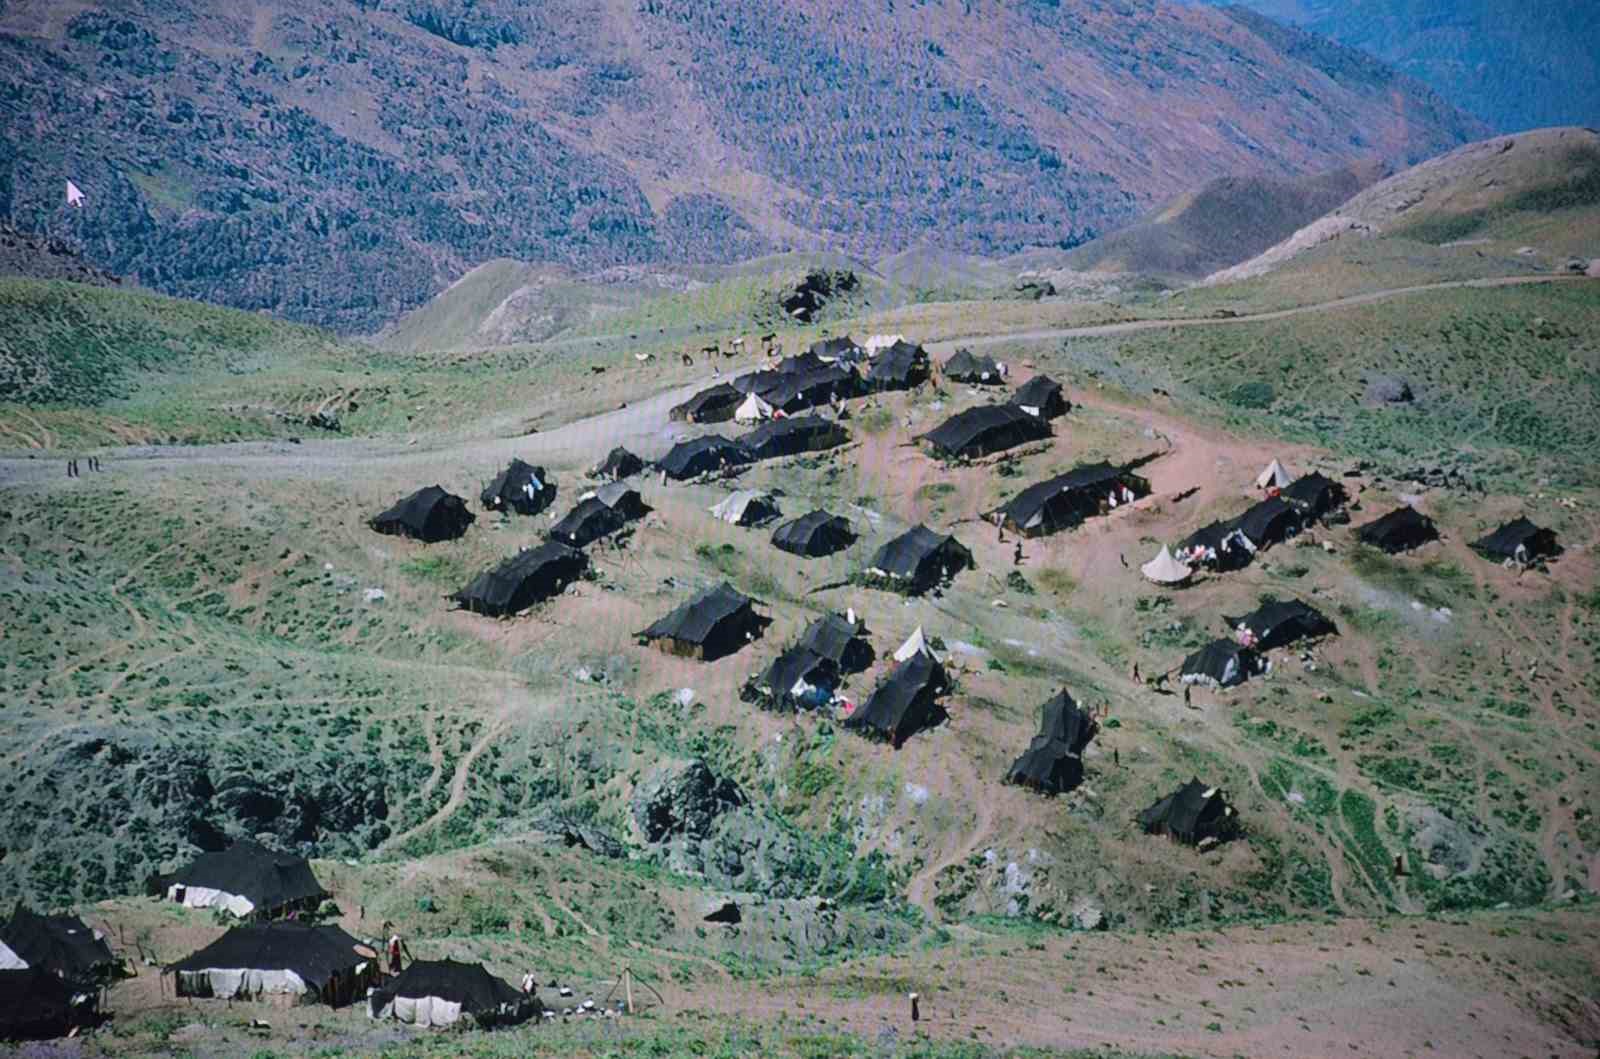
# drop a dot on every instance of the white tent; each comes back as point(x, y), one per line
point(915, 645)
point(745, 508)
point(878, 343)
point(1165, 570)
point(1274, 477)
point(753, 410)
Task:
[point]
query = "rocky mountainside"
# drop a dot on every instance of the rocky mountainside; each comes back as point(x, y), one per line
point(341, 162)
point(47, 257)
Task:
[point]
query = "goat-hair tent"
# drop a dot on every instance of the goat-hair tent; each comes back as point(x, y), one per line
point(587, 522)
point(919, 559)
point(839, 347)
point(521, 487)
point(1063, 721)
point(64, 946)
point(1165, 570)
point(808, 389)
point(1315, 495)
point(814, 534)
point(713, 405)
point(839, 640)
point(964, 366)
point(1068, 499)
point(747, 507)
point(1219, 546)
point(788, 436)
point(715, 623)
point(902, 366)
point(622, 498)
point(1191, 814)
point(1041, 396)
point(618, 464)
point(524, 579)
point(1279, 623)
point(1400, 530)
point(753, 409)
point(985, 429)
point(906, 702)
point(36, 1005)
point(313, 964)
point(246, 879)
point(759, 383)
point(1271, 521)
point(1273, 476)
point(442, 992)
point(1053, 761)
point(799, 678)
point(1220, 664)
point(1519, 540)
point(697, 456)
point(801, 363)
point(429, 515)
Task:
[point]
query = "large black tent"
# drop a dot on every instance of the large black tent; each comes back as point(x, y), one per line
point(64, 946)
point(522, 580)
point(442, 992)
point(1041, 396)
point(586, 523)
point(1519, 540)
point(622, 498)
point(807, 389)
point(36, 1005)
point(839, 347)
point(1280, 623)
point(1220, 546)
point(521, 487)
point(799, 678)
point(840, 640)
point(814, 534)
point(1400, 530)
point(1053, 761)
point(314, 963)
point(904, 703)
point(963, 366)
point(1271, 521)
point(900, 367)
point(1063, 721)
point(759, 383)
point(714, 405)
point(247, 879)
point(985, 429)
point(1220, 663)
point(715, 623)
point(793, 434)
point(697, 456)
point(1068, 499)
point(919, 559)
point(429, 514)
point(1315, 495)
point(1191, 814)
point(618, 464)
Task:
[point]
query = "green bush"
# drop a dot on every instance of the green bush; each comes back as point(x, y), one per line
point(1257, 395)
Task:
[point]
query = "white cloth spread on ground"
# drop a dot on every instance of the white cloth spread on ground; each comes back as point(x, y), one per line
point(240, 983)
point(205, 897)
point(423, 1011)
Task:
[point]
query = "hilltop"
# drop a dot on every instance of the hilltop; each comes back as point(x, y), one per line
point(408, 144)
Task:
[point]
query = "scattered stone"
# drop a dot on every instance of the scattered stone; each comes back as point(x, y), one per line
point(375, 595)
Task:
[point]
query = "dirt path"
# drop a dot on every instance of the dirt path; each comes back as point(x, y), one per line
point(458, 787)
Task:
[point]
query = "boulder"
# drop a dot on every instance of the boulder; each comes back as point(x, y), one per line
point(1389, 389)
point(683, 800)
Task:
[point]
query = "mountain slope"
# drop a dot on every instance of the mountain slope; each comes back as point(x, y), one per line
point(262, 154)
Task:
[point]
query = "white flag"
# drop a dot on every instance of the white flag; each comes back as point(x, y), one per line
point(74, 195)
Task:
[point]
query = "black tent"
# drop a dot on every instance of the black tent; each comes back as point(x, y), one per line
point(1191, 814)
point(524, 579)
point(1064, 721)
point(1068, 499)
point(1315, 495)
point(1400, 530)
point(839, 640)
point(963, 366)
point(586, 523)
point(759, 383)
point(807, 389)
point(814, 535)
point(698, 456)
point(439, 992)
point(985, 429)
point(1520, 540)
point(1041, 396)
point(267, 958)
point(791, 435)
point(624, 499)
point(36, 1005)
point(1271, 521)
point(839, 347)
point(919, 559)
point(429, 514)
point(715, 623)
point(904, 703)
point(1220, 546)
point(270, 882)
point(64, 946)
point(1053, 761)
point(799, 678)
point(900, 367)
point(714, 405)
point(1220, 663)
point(618, 464)
point(1280, 623)
point(521, 487)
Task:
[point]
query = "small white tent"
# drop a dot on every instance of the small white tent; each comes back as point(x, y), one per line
point(1165, 570)
point(747, 507)
point(915, 645)
point(753, 410)
point(1273, 477)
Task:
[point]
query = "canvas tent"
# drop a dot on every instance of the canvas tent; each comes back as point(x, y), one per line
point(1041, 396)
point(587, 522)
point(246, 879)
point(984, 430)
point(1068, 499)
point(36, 1005)
point(1220, 664)
point(64, 946)
point(1053, 761)
point(429, 514)
point(786, 437)
point(433, 993)
point(521, 487)
point(963, 366)
point(523, 580)
point(1272, 521)
point(1165, 570)
point(1273, 476)
point(715, 623)
point(1219, 546)
point(919, 559)
point(1191, 814)
point(618, 464)
point(916, 644)
point(310, 964)
point(904, 703)
point(753, 409)
point(1278, 624)
point(814, 535)
point(747, 507)
point(1400, 530)
point(713, 405)
point(1315, 495)
point(698, 456)
point(901, 366)
point(1518, 540)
